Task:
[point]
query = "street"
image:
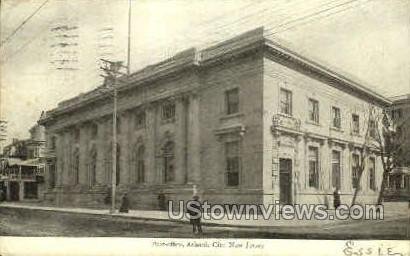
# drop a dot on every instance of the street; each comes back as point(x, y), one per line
point(24, 222)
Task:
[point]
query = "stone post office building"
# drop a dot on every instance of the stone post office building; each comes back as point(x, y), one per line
point(245, 121)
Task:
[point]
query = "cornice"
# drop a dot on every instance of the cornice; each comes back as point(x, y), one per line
point(192, 62)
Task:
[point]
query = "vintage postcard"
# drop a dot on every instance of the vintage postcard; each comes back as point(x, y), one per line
point(224, 127)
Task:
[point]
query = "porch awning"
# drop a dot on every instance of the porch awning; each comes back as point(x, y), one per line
point(32, 162)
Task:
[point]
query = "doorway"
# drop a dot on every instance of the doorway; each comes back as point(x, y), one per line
point(285, 181)
point(14, 191)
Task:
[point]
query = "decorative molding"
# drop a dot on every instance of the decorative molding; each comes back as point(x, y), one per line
point(235, 130)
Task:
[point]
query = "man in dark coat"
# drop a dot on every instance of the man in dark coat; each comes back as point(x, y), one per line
point(125, 203)
point(336, 198)
point(195, 214)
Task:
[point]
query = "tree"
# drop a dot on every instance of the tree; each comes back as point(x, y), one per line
point(381, 137)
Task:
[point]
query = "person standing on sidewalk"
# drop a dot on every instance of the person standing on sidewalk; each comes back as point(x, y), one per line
point(125, 203)
point(195, 214)
point(336, 198)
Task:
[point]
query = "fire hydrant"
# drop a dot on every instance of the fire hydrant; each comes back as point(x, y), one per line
point(336, 198)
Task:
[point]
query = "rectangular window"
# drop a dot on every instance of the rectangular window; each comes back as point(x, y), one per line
point(397, 113)
point(314, 110)
point(232, 101)
point(372, 174)
point(355, 124)
point(285, 102)
point(233, 159)
point(140, 120)
point(336, 117)
point(313, 167)
point(336, 182)
point(355, 170)
point(168, 111)
point(372, 129)
point(52, 175)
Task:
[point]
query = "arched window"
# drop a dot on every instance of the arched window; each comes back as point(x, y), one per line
point(139, 164)
point(168, 155)
point(76, 167)
point(92, 167)
point(108, 165)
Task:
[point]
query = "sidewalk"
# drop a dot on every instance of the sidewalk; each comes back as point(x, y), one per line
point(391, 211)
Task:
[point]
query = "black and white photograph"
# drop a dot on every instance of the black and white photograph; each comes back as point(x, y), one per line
point(172, 127)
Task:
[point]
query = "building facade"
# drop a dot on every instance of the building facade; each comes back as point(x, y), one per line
point(244, 121)
point(22, 167)
point(399, 179)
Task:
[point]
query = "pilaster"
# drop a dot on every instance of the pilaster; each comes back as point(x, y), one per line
point(193, 144)
point(180, 139)
point(150, 150)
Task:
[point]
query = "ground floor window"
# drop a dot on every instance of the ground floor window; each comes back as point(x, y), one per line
point(372, 174)
point(52, 175)
point(169, 171)
point(313, 167)
point(233, 159)
point(336, 182)
point(355, 171)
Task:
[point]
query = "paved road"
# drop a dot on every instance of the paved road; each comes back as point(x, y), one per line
point(23, 222)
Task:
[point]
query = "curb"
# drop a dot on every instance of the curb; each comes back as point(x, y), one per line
point(121, 216)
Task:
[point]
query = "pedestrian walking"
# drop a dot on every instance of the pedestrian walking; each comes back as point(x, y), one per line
point(336, 198)
point(161, 201)
point(125, 203)
point(195, 214)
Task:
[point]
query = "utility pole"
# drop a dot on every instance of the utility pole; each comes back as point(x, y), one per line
point(3, 133)
point(129, 38)
point(112, 72)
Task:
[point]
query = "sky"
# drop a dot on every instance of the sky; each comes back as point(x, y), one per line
point(367, 39)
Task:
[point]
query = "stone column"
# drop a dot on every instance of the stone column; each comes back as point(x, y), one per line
point(180, 142)
point(150, 150)
point(126, 145)
point(83, 170)
point(299, 176)
point(60, 159)
point(67, 159)
point(7, 184)
point(99, 144)
point(193, 145)
point(275, 165)
point(324, 167)
point(21, 186)
point(345, 168)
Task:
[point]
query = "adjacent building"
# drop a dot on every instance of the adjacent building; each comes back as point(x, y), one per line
point(399, 179)
point(22, 168)
point(244, 121)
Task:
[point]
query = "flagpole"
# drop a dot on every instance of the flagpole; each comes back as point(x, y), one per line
point(129, 38)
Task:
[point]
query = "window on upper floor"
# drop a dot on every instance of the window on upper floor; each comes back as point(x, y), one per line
point(355, 124)
point(372, 129)
point(94, 131)
point(53, 142)
point(397, 113)
point(168, 111)
point(232, 101)
point(336, 118)
point(313, 110)
point(139, 120)
point(285, 102)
